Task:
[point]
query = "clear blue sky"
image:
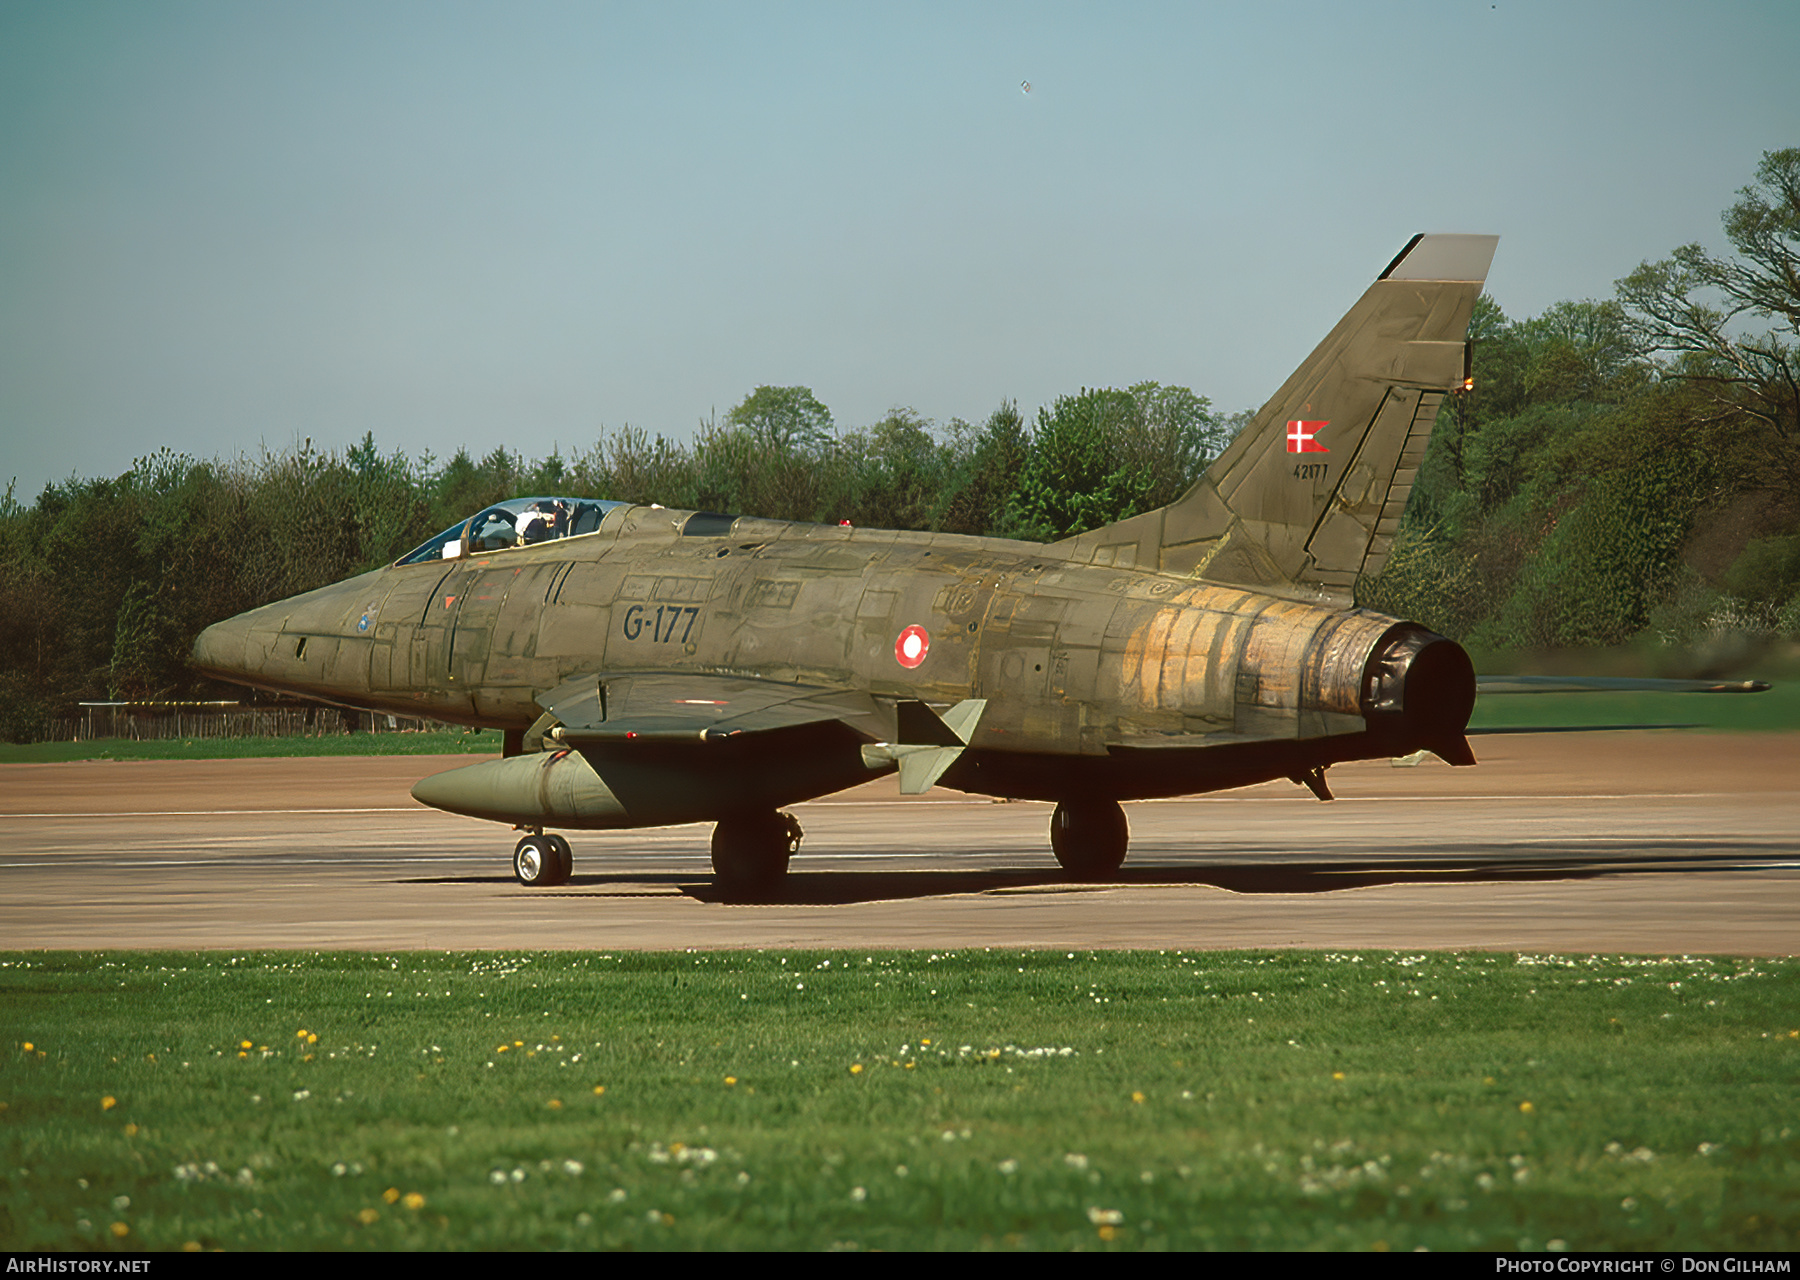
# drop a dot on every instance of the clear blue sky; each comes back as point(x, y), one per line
point(230, 225)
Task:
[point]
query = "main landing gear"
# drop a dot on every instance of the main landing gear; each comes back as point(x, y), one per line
point(750, 853)
point(542, 860)
point(1089, 837)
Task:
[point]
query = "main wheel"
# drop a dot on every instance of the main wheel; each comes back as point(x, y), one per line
point(538, 862)
point(1089, 837)
point(750, 854)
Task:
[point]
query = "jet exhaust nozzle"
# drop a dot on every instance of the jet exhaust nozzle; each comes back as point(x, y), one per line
point(1419, 691)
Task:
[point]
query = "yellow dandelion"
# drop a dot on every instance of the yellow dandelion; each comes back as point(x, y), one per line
point(413, 1200)
point(1136, 1096)
point(1337, 1075)
point(924, 1042)
point(131, 1131)
point(555, 1104)
point(244, 1044)
point(242, 1054)
point(856, 1069)
point(368, 1216)
point(1107, 1233)
point(311, 1038)
point(501, 1048)
point(300, 1034)
point(391, 1194)
point(29, 1046)
point(190, 1246)
point(730, 1080)
point(518, 1044)
point(120, 1230)
point(108, 1103)
point(1527, 1108)
point(909, 1066)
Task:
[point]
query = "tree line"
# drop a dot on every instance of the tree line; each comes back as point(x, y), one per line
point(106, 582)
point(1624, 469)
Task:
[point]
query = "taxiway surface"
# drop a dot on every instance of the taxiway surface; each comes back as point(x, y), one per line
point(1642, 842)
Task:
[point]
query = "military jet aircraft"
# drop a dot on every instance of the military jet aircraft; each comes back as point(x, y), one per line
point(652, 666)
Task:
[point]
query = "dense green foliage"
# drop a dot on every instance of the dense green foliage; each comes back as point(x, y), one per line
point(959, 1100)
point(1624, 469)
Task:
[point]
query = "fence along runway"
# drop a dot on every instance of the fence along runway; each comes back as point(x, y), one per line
point(1643, 842)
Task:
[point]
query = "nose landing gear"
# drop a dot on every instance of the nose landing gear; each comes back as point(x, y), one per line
point(540, 861)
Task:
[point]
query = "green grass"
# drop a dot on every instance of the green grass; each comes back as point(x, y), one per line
point(975, 1099)
point(446, 742)
point(1777, 710)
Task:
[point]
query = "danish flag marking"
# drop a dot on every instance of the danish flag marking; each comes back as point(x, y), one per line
point(1300, 437)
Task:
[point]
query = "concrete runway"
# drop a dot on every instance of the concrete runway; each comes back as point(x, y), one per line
point(1655, 842)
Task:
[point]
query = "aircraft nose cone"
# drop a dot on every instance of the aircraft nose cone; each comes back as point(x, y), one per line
point(219, 650)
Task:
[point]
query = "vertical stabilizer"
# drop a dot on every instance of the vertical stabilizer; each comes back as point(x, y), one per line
point(1310, 493)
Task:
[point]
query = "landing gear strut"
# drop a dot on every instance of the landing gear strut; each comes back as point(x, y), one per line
point(1089, 837)
point(542, 860)
point(750, 853)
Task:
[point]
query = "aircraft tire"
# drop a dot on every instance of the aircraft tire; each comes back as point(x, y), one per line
point(750, 854)
point(565, 857)
point(1089, 838)
point(537, 863)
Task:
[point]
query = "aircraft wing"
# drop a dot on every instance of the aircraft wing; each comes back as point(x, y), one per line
point(596, 709)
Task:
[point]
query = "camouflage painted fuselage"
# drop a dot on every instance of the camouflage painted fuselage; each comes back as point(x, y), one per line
point(1100, 680)
point(672, 666)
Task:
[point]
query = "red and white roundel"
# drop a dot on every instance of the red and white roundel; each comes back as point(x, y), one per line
point(912, 646)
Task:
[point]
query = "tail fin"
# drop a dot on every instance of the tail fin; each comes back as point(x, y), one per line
point(1310, 493)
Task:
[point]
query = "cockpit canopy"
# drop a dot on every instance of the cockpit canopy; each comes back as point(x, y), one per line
point(518, 522)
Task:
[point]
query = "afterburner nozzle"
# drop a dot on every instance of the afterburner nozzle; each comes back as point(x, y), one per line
point(1419, 691)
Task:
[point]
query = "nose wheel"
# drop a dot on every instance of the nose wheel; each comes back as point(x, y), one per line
point(750, 853)
point(542, 860)
point(1089, 838)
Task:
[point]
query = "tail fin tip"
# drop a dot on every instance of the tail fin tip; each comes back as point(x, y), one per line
point(1443, 257)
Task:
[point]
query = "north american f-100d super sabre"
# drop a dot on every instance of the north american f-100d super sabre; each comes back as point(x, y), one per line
point(652, 666)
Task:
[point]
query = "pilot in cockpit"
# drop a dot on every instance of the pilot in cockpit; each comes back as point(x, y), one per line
point(542, 520)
